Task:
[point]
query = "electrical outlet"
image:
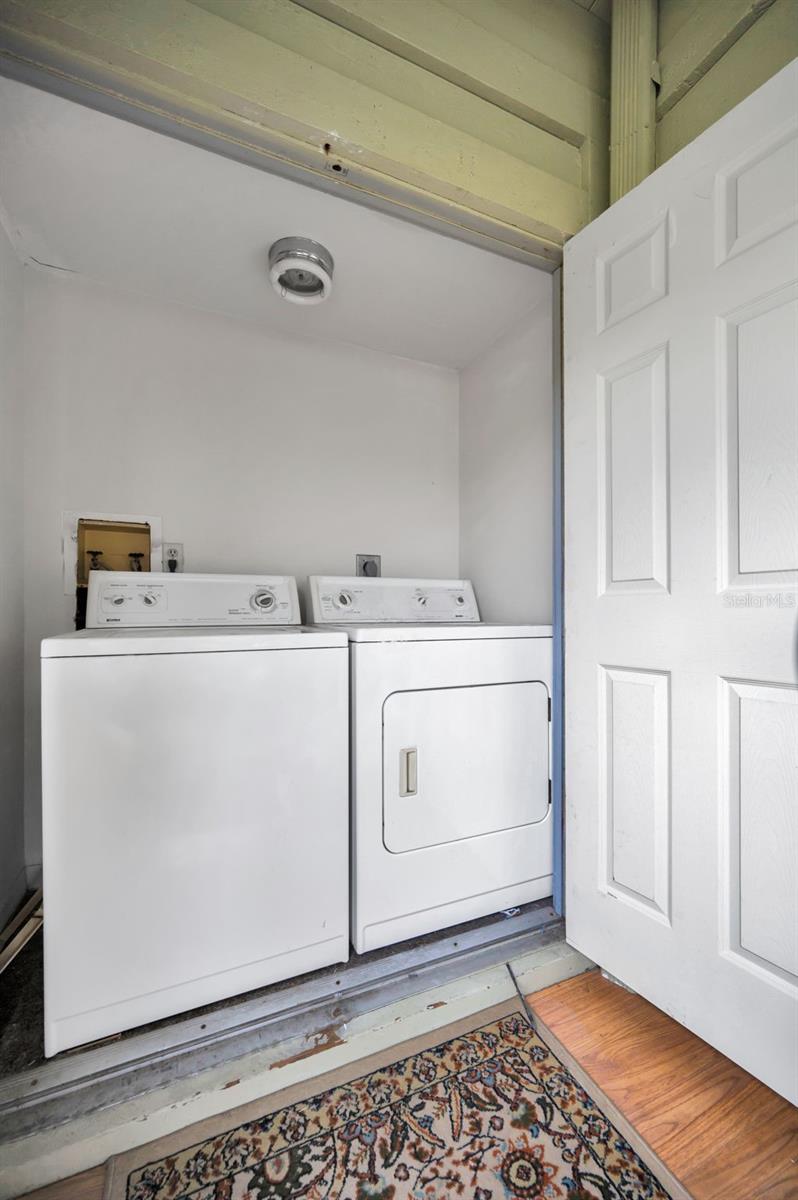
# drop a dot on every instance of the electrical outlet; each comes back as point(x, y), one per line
point(369, 565)
point(173, 557)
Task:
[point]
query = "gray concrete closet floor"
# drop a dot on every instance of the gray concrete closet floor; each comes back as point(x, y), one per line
point(22, 992)
point(79, 1142)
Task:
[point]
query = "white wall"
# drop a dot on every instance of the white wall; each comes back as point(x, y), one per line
point(12, 856)
point(506, 473)
point(260, 453)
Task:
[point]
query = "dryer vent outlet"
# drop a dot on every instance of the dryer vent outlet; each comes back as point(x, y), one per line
point(369, 565)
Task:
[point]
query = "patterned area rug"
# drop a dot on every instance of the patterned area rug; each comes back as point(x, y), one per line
point(489, 1114)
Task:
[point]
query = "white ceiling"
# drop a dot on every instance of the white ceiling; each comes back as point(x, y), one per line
point(147, 214)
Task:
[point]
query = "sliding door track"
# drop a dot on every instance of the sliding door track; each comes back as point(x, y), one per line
point(80, 1082)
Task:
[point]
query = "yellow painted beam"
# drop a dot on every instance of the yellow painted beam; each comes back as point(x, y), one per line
point(274, 74)
point(535, 59)
point(767, 46)
point(393, 77)
point(458, 49)
point(672, 16)
point(699, 43)
point(559, 33)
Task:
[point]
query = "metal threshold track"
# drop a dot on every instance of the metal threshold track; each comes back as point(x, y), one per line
point(81, 1082)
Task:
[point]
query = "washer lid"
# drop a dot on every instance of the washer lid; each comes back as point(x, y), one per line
point(90, 643)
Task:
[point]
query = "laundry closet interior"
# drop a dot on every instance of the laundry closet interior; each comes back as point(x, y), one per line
point(413, 415)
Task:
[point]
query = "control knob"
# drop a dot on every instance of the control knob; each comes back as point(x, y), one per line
point(263, 601)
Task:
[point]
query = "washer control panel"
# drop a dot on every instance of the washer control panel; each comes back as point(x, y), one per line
point(346, 600)
point(138, 599)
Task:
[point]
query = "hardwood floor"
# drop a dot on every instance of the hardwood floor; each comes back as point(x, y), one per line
point(724, 1135)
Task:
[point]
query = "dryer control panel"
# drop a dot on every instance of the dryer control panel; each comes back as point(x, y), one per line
point(353, 600)
point(140, 599)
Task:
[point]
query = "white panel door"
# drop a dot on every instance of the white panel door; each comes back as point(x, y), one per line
point(681, 574)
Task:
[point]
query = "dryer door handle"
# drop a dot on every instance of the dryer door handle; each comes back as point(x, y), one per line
point(408, 772)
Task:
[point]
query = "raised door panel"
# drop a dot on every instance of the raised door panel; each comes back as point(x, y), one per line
point(757, 195)
point(760, 787)
point(634, 798)
point(759, 442)
point(633, 274)
point(633, 475)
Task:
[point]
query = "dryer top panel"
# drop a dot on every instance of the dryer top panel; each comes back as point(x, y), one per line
point(149, 599)
point(442, 632)
point(353, 600)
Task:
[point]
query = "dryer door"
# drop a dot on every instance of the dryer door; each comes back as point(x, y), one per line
point(463, 762)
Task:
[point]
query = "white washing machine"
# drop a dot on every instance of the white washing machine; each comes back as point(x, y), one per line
point(195, 799)
point(450, 745)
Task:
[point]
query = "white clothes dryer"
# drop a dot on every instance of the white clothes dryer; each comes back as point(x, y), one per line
point(195, 799)
point(450, 755)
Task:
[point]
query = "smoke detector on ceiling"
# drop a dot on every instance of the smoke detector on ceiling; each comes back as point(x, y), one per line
point(301, 270)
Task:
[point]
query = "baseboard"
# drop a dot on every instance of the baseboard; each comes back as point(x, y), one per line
point(33, 874)
point(13, 896)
